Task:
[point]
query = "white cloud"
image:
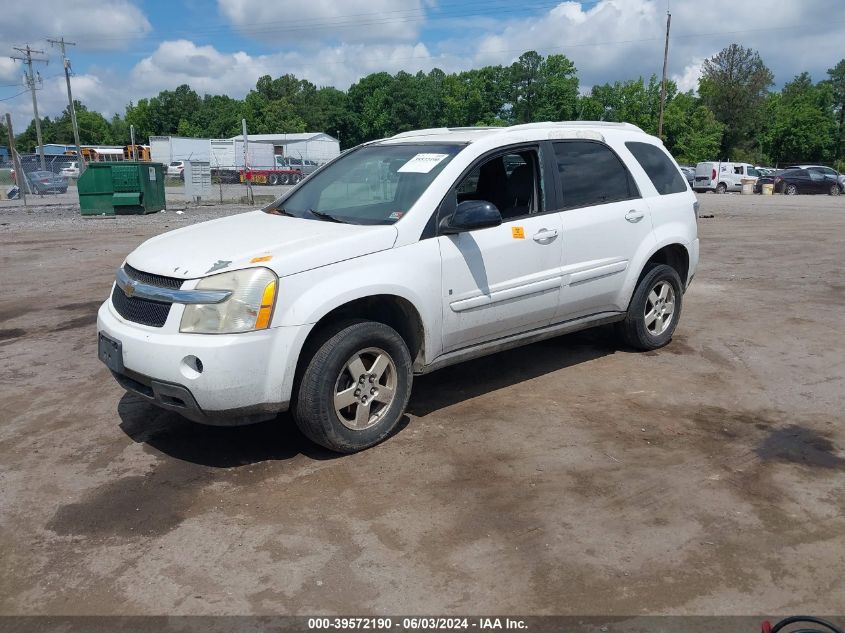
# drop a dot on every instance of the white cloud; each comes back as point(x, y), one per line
point(688, 78)
point(208, 70)
point(9, 71)
point(92, 24)
point(326, 20)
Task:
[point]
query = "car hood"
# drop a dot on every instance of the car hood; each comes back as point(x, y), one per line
point(286, 245)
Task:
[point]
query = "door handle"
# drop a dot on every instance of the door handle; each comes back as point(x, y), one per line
point(544, 236)
point(634, 216)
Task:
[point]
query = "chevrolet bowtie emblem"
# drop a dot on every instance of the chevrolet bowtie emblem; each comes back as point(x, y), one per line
point(129, 290)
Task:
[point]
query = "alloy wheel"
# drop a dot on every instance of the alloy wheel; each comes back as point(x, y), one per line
point(365, 388)
point(659, 308)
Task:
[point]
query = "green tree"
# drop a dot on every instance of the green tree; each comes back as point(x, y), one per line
point(26, 141)
point(558, 99)
point(837, 84)
point(527, 82)
point(733, 85)
point(802, 125)
point(692, 132)
point(632, 101)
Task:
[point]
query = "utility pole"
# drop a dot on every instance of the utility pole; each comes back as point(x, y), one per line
point(665, 70)
point(61, 43)
point(132, 141)
point(20, 176)
point(30, 81)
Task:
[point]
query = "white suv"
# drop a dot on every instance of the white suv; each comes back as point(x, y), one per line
point(400, 257)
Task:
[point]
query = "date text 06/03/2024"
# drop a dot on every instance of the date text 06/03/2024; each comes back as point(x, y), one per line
point(416, 623)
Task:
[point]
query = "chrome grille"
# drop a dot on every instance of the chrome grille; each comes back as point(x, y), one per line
point(144, 311)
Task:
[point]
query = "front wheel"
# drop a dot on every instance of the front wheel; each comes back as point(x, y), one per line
point(791, 190)
point(655, 309)
point(721, 188)
point(835, 190)
point(355, 388)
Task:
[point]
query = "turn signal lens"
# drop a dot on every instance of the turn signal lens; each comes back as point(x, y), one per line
point(266, 309)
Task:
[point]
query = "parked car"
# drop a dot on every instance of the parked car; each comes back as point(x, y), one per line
point(176, 169)
point(722, 177)
point(830, 175)
point(71, 171)
point(300, 164)
point(689, 174)
point(42, 182)
point(796, 180)
point(764, 179)
point(400, 257)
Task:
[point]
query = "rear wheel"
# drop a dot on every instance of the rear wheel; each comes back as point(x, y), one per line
point(654, 310)
point(285, 179)
point(273, 179)
point(355, 388)
point(835, 190)
point(721, 188)
point(791, 190)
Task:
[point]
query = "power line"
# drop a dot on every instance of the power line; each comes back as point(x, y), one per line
point(13, 96)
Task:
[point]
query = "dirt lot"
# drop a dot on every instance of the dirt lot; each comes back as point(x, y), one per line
point(570, 476)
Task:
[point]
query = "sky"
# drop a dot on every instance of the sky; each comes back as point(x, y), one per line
point(130, 49)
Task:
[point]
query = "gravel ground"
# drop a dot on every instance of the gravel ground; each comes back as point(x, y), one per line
point(566, 477)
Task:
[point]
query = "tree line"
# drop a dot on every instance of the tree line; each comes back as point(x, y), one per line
point(734, 114)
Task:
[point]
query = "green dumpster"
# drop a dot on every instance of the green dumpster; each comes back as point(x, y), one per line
point(113, 188)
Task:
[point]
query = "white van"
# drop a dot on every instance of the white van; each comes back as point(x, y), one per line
point(722, 177)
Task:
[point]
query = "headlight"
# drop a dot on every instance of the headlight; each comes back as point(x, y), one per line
point(249, 308)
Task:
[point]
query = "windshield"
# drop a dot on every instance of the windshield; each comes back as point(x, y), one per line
point(375, 184)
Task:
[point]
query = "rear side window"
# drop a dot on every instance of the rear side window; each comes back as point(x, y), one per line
point(660, 169)
point(590, 174)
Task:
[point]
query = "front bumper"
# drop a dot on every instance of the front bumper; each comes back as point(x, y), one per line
point(244, 377)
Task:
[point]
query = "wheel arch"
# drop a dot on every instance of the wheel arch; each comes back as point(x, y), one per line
point(390, 309)
point(673, 254)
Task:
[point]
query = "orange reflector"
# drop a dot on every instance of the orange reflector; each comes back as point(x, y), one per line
point(263, 258)
point(263, 320)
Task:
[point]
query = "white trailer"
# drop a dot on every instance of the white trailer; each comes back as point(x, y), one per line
point(227, 153)
point(315, 147)
point(168, 149)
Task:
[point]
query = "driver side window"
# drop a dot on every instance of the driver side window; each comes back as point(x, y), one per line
point(512, 182)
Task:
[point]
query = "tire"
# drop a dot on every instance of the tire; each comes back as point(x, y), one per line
point(353, 349)
point(285, 179)
point(721, 188)
point(791, 190)
point(297, 179)
point(273, 179)
point(835, 190)
point(659, 281)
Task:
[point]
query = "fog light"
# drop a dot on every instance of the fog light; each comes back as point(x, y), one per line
point(191, 367)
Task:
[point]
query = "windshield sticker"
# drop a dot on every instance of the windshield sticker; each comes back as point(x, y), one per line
point(422, 163)
point(395, 215)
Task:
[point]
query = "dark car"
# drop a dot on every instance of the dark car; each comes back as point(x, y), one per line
point(793, 181)
point(46, 182)
point(834, 180)
point(765, 179)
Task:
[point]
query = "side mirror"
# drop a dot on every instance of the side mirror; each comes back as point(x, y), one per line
point(469, 215)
